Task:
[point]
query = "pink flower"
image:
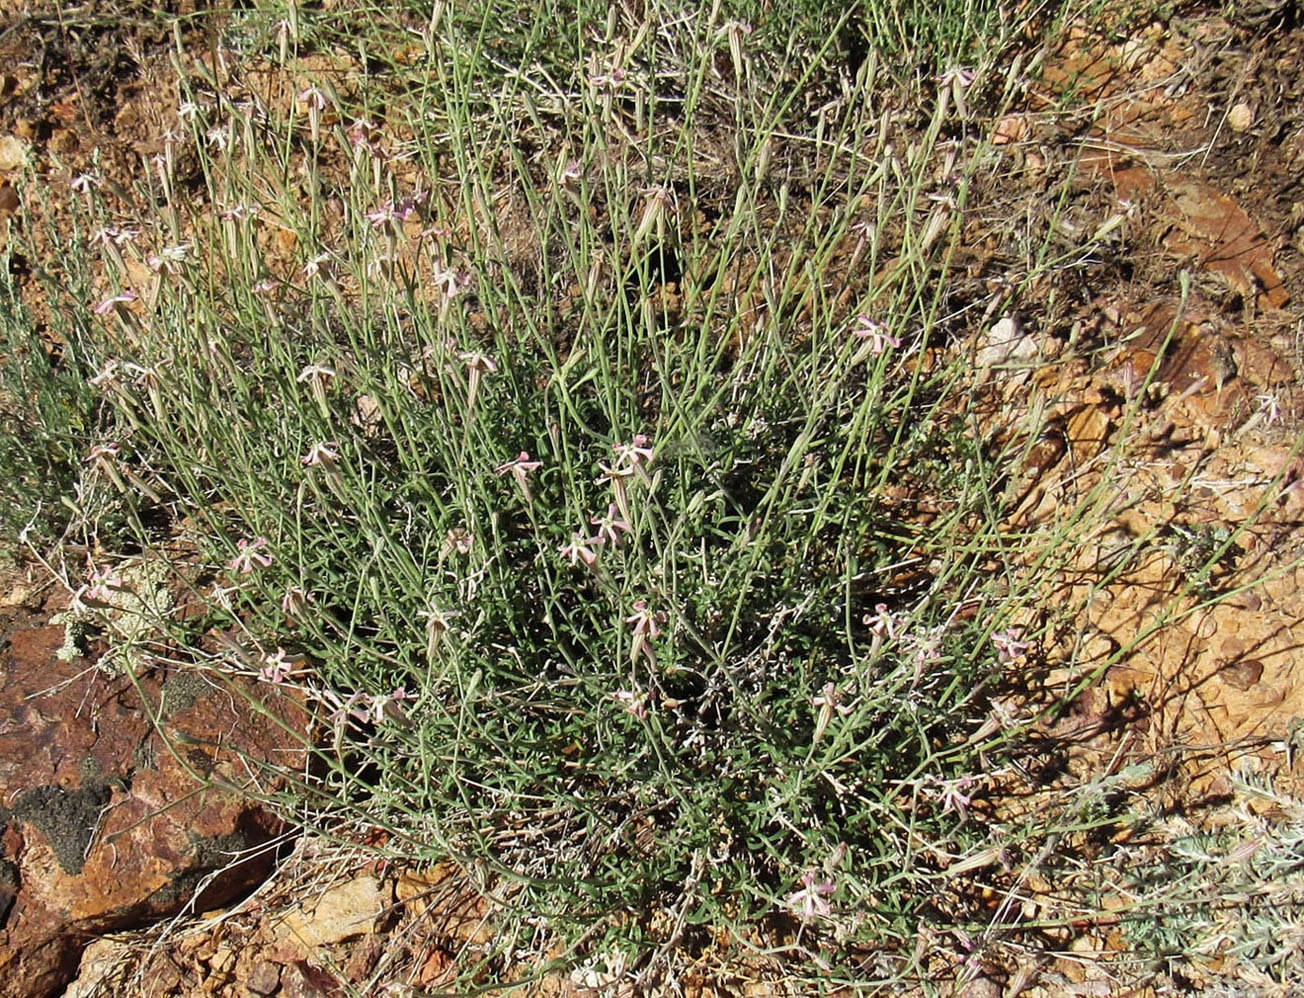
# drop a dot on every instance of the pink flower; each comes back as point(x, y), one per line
point(250, 555)
point(277, 668)
point(318, 378)
point(477, 362)
point(632, 454)
point(347, 707)
point(324, 454)
point(647, 628)
point(883, 623)
point(323, 264)
point(829, 701)
point(114, 236)
point(615, 477)
point(104, 583)
point(364, 136)
point(660, 201)
point(295, 601)
point(101, 452)
point(314, 102)
point(169, 259)
point(610, 527)
point(608, 81)
point(863, 231)
point(439, 621)
point(635, 705)
point(108, 375)
point(459, 540)
point(927, 648)
point(1270, 406)
point(381, 215)
point(313, 99)
point(240, 212)
point(111, 303)
point(366, 709)
point(581, 548)
point(401, 211)
point(810, 902)
point(477, 366)
point(449, 281)
point(876, 333)
point(956, 75)
point(951, 794)
point(1008, 646)
point(387, 706)
point(520, 470)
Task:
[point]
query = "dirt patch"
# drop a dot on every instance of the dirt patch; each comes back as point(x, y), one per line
point(1206, 378)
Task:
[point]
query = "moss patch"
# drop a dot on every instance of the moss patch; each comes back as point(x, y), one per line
point(181, 691)
point(67, 819)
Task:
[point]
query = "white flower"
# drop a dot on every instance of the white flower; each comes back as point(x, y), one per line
point(313, 98)
point(315, 372)
point(322, 455)
point(581, 548)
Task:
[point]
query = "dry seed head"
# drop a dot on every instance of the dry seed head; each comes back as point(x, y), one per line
point(660, 201)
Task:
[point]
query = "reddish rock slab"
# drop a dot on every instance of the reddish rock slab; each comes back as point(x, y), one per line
point(1214, 229)
point(105, 824)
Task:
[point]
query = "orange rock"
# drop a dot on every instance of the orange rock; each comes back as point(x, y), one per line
point(1011, 128)
point(106, 827)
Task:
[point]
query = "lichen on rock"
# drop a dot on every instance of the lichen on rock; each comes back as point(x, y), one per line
point(130, 612)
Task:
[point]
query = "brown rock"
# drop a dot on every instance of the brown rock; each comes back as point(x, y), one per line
point(105, 967)
point(1182, 358)
point(1241, 674)
point(264, 979)
point(1261, 365)
point(106, 826)
point(364, 958)
point(304, 980)
point(986, 986)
